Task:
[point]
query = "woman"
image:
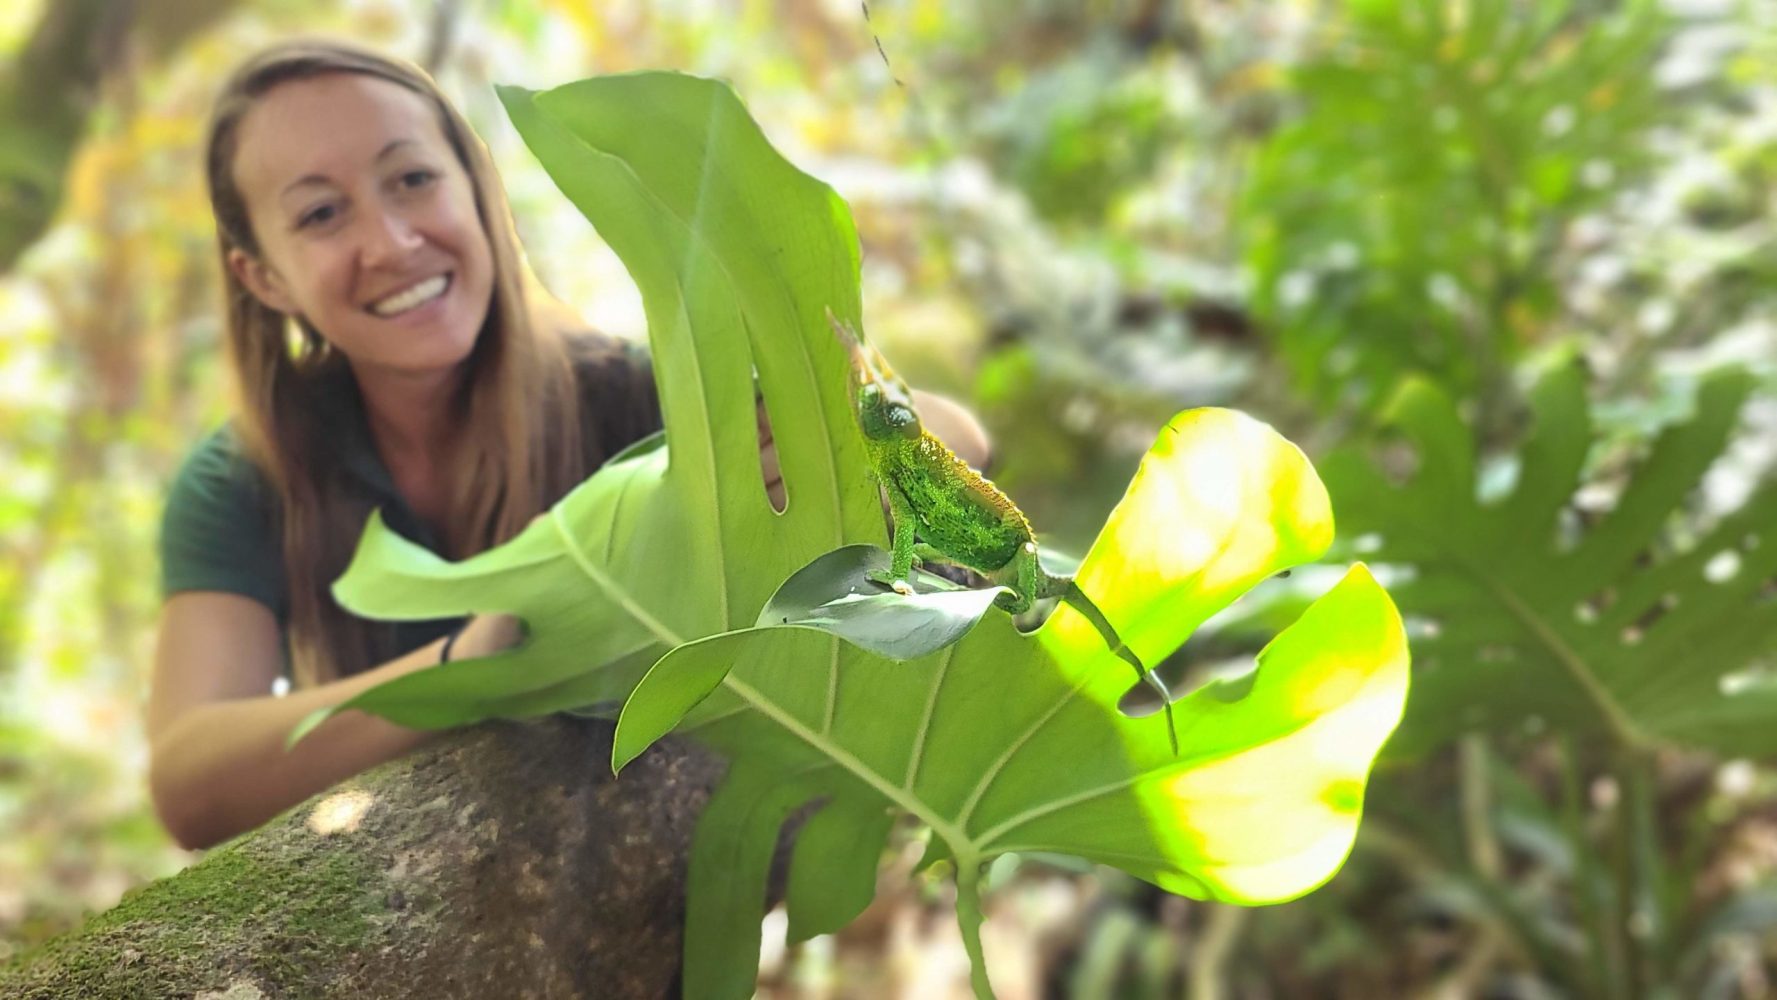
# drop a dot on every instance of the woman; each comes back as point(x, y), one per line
point(388, 351)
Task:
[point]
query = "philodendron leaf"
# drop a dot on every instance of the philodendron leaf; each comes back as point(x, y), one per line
point(614, 615)
point(1013, 742)
point(1606, 629)
point(1001, 741)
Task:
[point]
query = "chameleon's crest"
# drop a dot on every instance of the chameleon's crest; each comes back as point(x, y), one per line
point(884, 402)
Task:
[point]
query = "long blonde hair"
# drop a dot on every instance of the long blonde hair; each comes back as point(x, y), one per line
point(520, 444)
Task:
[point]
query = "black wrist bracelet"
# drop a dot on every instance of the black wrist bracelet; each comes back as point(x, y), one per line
point(449, 641)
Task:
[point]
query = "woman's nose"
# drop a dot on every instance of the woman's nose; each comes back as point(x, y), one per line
point(389, 238)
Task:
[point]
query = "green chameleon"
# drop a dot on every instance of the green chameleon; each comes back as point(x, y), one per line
point(944, 511)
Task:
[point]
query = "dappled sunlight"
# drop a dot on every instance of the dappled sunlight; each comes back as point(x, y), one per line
point(341, 812)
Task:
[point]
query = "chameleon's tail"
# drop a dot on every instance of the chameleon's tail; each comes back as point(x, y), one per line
point(1108, 633)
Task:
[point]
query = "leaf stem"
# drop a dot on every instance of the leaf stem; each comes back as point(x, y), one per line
point(1644, 917)
point(1601, 978)
point(1209, 958)
point(969, 918)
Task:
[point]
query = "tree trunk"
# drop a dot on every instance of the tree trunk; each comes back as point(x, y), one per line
point(502, 861)
point(48, 96)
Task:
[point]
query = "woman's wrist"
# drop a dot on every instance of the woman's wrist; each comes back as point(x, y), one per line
point(450, 642)
point(482, 635)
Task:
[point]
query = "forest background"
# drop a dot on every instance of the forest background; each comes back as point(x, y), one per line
point(1080, 216)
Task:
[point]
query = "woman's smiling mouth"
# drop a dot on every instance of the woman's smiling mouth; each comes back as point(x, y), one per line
point(411, 297)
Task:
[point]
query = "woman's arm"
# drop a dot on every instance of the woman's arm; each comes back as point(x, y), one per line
point(217, 762)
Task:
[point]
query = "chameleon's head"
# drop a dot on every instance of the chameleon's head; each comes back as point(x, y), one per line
point(884, 403)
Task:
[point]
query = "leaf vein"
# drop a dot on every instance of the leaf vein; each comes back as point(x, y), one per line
point(617, 594)
point(919, 740)
point(999, 764)
point(952, 833)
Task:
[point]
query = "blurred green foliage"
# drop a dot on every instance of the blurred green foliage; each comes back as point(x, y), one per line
point(1406, 219)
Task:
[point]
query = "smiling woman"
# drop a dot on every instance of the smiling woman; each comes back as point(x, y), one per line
point(389, 350)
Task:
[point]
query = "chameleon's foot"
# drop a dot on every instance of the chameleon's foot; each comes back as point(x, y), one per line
point(898, 584)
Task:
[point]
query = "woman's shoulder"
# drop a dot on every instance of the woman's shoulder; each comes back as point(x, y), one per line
point(218, 467)
point(219, 530)
point(619, 404)
point(594, 355)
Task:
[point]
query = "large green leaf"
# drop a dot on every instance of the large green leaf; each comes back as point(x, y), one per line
point(1609, 629)
point(1002, 741)
point(1013, 742)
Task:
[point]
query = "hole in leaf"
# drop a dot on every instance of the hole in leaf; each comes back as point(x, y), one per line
point(1204, 659)
point(1635, 631)
point(1497, 477)
point(1593, 607)
point(768, 464)
point(1421, 627)
point(1722, 567)
point(1757, 676)
point(1596, 499)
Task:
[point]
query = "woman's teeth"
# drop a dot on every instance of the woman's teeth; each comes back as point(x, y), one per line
point(417, 295)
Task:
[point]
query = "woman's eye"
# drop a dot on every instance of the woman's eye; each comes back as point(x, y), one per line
point(417, 178)
point(319, 215)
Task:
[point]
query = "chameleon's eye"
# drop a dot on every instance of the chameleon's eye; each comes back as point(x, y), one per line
point(901, 417)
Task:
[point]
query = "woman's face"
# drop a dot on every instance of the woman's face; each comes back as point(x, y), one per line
point(366, 222)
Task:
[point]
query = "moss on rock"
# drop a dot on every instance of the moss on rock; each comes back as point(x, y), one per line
point(287, 915)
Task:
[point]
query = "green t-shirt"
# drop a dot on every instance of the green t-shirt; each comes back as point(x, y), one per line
point(221, 529)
